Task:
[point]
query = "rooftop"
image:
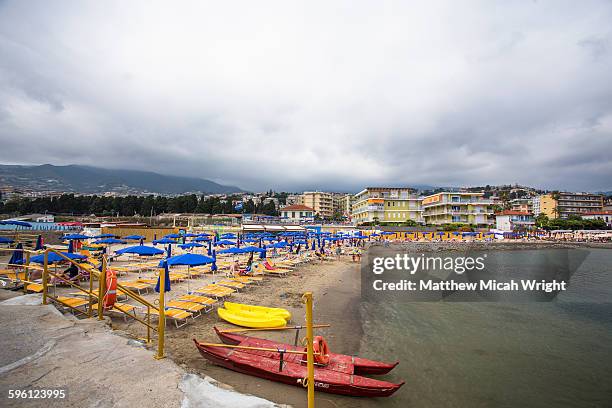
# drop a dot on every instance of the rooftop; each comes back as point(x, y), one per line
point(297, 207)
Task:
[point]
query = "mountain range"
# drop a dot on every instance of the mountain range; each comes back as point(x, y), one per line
point(92, 180)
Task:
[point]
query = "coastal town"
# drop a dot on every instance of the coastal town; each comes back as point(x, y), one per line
point(504, 208)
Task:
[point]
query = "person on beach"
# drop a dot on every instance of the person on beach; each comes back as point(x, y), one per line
point(234, 268)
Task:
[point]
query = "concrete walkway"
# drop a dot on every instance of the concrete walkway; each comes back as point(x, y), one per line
point(41, 349)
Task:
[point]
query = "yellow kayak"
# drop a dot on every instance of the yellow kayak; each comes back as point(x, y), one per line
point(274, 311)
point(251, 319)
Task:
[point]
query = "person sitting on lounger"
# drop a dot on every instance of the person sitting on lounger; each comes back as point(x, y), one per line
point(71, 274)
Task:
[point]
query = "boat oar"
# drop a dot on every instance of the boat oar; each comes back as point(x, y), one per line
point(254, 348)
point(314, 326)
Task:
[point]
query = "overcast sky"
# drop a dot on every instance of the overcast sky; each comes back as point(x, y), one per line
point(328, 95)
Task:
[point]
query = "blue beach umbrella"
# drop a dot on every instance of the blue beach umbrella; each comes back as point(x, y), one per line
point(188, 260)
point(141, 250)
point(104, 236)
point(173, 236)
point(224, 242)
point(109, 241)
point(5, 240)
point(202, 239)
point(164, 241)
point(134, 237)
point(54, 258)
point(251, 249)
point(75, 237)
point(190, 245)
point(232, 250)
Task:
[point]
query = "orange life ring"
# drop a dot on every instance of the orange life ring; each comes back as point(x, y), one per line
point(110, 297)
point(321, 350)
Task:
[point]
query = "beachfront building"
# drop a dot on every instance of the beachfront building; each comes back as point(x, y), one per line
point(297, 213)
point(569, 204)
point(343, 204)
point(599, 215)
point(544, 204)
point(521, 204)
point(386, 204)
point(321, 202)
point(458, 208)
point(510, 220)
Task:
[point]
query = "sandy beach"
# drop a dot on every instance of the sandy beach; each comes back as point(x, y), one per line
point(336, 289)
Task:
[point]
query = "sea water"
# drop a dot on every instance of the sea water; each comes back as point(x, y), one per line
point(493, 354)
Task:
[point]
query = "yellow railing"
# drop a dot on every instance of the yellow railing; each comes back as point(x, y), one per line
point(99, 296)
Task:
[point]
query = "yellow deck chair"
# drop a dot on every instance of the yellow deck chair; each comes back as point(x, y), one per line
point(192, 307)
point(231, 283)
point(176, 315)
point(198, 299)
point(136, 286)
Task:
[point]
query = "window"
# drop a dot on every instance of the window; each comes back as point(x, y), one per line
point(455, 199)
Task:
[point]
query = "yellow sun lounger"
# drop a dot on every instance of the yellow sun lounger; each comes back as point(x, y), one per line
point(136, 286)
point(34, 287)
point(231, 283)
point(148, 281)
point(215, 291)
point(123, 308)
point(12, 275)
point(176, 315)
point(71, 302)
point(193, 307)
point(198, 299)
point(247, 279)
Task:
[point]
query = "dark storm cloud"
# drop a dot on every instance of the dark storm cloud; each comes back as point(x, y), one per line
point(314, 95)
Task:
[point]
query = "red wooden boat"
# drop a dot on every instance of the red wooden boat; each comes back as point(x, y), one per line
point(361, 366)
point(340, 376)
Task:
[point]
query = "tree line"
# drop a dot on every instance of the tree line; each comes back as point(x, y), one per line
point(134, 205)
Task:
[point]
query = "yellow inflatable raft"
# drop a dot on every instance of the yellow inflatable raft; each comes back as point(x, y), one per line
point(251, 319)
point(273, 311)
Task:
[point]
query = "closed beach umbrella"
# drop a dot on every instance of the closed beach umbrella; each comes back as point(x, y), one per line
point(39, 243)
point(214, 264)
point(17, 256)
point(166, 273)
point(70, 247)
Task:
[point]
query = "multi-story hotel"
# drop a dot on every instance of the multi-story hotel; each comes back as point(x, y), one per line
point(460, 207)
point(578, 203)
point(342, 204)
point(521, 204)
point(544, 204)
point(321, 202)
point(386, 204)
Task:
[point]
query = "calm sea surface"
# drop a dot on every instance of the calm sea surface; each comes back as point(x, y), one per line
point(487, 354)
